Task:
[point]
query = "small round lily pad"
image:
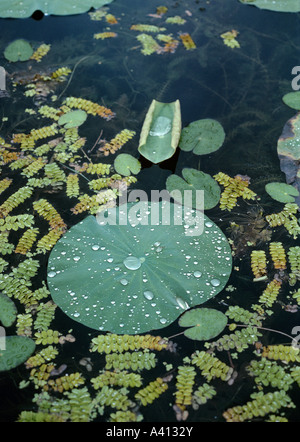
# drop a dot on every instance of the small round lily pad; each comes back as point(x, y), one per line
point(292, 99)
point(203, 323)
point(126, 164)
point(202, 137)
point(72, 119)
point(285, 193)
point(18, 50)
point(195, 180)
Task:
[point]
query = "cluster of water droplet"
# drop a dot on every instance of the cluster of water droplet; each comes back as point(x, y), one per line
point(150, 282)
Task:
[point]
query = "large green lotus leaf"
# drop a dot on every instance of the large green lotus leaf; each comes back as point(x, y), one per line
point(292, 99)
point(17, 350)
point(8, 311)
point(161, 131)
point(275, 5)
point(24, 9)
point(204, 323)
point(285, 193)
point(195, 180)
point(288, 149)
point(132, 275)
point(126, 164)
point(202, 137)
point(73, 119)
point(18, 50)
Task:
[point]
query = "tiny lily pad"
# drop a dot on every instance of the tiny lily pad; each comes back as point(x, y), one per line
point(72, 119)
point(126, 164)
point(285, 193)
point(195, 180)
point(18, 50)
point(202, 137)
point(292, 99)
point(203, 323)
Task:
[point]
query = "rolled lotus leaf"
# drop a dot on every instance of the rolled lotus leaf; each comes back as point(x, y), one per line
point(134, 268)
point(18, 50)
point(292, 99)
point(17, 350)
point(161, 131)
point(285, 193)
point(73, 119)
point(126, 164)
point(203, 323)
point(8, 311)
point(288, 149)
point(25, 9)
point(275, 5)
point(202, 137)
point(194, 180)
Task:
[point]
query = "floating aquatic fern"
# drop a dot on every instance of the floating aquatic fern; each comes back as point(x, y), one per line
point(135, 361)
point(267, 373)
point(278, 255)
point(119, 343)
point(43, 356)
point(258, 263)
point(151, 392)
point(261, 405)
point(286, 353)
point(120, 379)
point(184, 385)
point(40, 52)
point(211, 366)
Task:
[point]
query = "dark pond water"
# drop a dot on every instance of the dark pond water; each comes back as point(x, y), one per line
point(242, 88)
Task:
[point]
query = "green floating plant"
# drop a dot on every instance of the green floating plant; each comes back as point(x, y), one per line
point(211, 366)
point(292, 99)
point(73, 119)
point(275, 5)
point(270, 373)
point(79, 404)
point(18, 50)
point(240, 340)
point(8, 311)
point(194, 180)
point(202, 137)
point(202, 395)
point(135, 361)
point(285, 193)
point(260, 406)
point(139, 267)
point(26, 8)
point(17, 350)
point(126, 164)
point(203, 323)
point(161, 131)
